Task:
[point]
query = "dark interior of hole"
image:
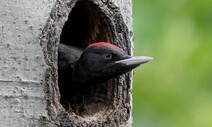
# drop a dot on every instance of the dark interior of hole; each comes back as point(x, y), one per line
point(86, 24)
point(76, 29)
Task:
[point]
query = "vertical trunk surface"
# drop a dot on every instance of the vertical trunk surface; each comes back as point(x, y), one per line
point(30, 32)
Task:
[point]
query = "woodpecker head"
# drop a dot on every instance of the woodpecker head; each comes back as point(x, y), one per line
point(102, 61)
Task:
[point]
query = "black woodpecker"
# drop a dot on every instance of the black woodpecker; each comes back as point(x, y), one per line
point(98, 63)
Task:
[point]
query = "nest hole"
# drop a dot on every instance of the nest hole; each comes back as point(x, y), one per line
point(86, 24)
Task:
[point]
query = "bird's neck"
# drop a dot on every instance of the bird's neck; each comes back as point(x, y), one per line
point(82, 77)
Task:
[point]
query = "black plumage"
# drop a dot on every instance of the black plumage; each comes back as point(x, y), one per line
point(79, 69)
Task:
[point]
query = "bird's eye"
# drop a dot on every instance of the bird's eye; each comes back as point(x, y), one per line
point(108, 56)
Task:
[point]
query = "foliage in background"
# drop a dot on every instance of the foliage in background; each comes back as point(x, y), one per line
point(175, 89)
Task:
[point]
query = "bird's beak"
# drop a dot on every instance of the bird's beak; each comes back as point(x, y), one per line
point(134, 60)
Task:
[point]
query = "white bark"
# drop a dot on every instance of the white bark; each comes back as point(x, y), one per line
point(22, 65)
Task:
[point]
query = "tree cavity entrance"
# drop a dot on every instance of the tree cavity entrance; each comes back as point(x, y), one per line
point(87, 24)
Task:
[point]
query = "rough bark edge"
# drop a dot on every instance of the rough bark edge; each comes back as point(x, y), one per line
point(49, 41)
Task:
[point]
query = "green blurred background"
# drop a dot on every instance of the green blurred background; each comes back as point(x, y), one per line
point(175, 89)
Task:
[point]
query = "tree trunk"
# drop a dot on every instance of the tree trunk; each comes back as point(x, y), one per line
point(30, 32)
